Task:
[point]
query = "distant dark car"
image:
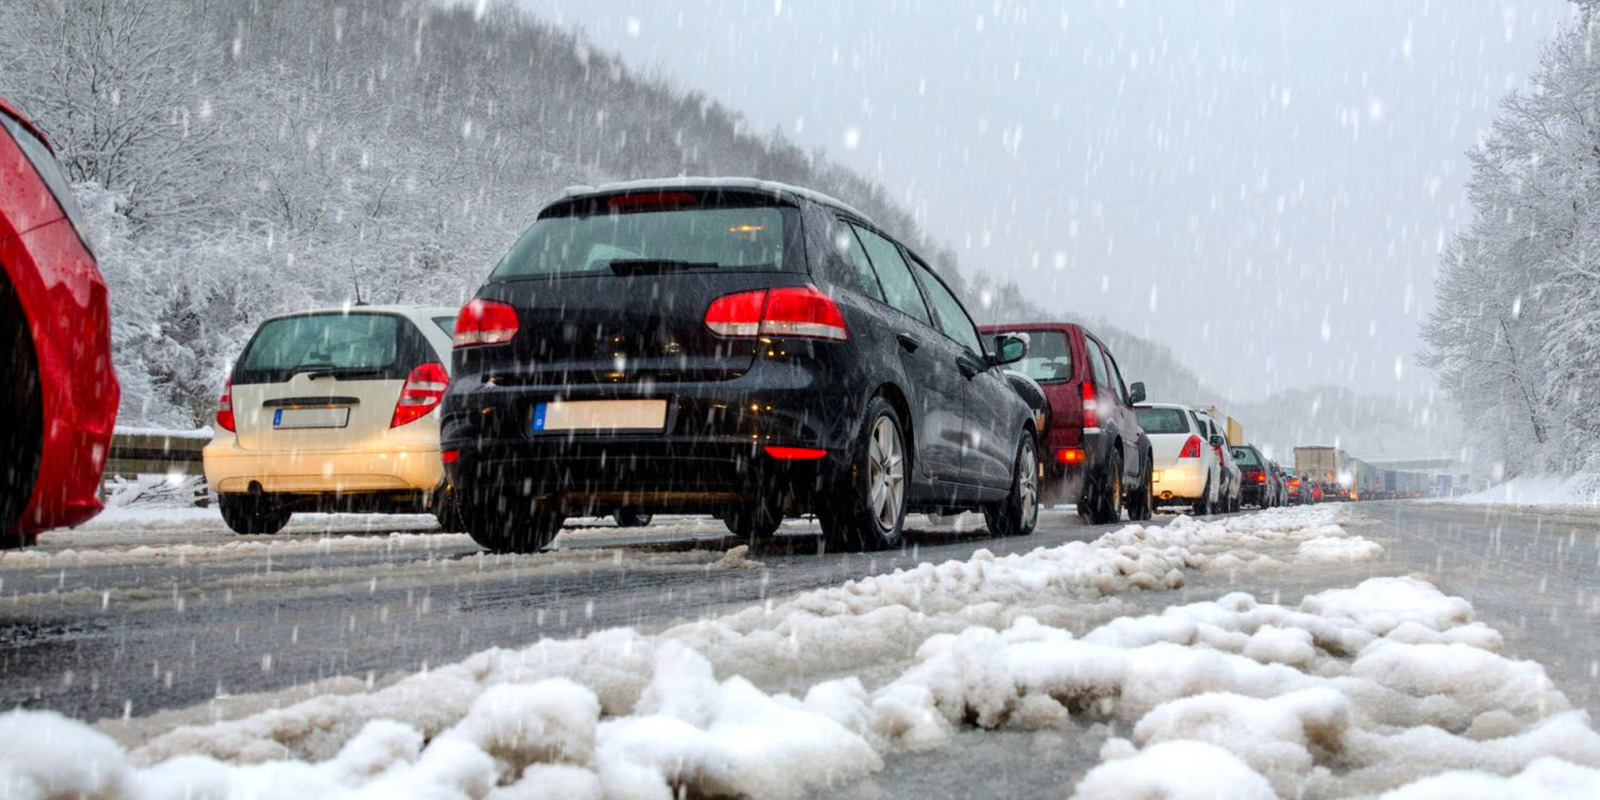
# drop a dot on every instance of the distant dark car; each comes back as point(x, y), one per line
point(735, 347)
point(1259, 487)
point(1095, 454)
point(58, 399)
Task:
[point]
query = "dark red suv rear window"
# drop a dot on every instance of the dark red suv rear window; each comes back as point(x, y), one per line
point(1049, 357)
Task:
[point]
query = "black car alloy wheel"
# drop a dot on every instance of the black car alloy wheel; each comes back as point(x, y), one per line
point(871, 508)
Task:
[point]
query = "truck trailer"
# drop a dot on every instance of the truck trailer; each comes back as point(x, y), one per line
point(1327, 466)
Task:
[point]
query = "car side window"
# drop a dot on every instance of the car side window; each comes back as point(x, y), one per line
point(1116, 373)
point(851, 250)
point(953, 319)
point(1097, 362)
point(899, 286)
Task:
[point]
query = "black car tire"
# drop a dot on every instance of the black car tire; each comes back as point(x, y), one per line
point(631, 518)
point(1142, 504)
point(757, 520)
point(851, 522)
point(511, 525)
point(251, 514)
point(21, 405)
point(447, 510)
point(1205, 507)
point(1018, 514)
point(1105, 507)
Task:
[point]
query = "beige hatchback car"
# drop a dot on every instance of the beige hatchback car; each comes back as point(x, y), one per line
point(334, 410)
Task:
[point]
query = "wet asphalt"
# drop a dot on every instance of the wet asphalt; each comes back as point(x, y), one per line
point(99, 641)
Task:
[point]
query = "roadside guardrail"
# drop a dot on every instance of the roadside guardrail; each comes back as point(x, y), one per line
point(148, 451)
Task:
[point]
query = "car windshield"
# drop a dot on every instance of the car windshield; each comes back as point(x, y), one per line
point(639, 241)
point(1245, 456)
point(323, 342)
point(1049, 356)
point(1163, 420)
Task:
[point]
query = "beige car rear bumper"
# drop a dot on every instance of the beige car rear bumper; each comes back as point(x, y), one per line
point(230, 468)
point(1183, 482)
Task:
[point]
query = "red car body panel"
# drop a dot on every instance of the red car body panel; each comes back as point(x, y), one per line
point(1065, 428)
point(64, 300)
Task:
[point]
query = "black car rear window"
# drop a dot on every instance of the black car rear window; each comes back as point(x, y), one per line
point(338, 344)
point(1245, 457)
point(660, 232)
point(1162, 420)
point(1049, 357)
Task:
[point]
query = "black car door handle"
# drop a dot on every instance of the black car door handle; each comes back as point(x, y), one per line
point(908, 342)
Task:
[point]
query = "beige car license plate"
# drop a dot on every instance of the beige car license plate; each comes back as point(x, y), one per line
point(600, 415)
point(289, 418)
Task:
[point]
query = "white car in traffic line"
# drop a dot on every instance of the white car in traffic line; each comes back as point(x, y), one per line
point(1229, 500)
point(335, 409)
point(1187, 470)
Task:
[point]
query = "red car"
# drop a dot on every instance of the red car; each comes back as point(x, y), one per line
point(1094, 452)
point(59, 397)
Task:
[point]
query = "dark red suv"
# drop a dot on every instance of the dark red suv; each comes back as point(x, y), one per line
point(1094, 452)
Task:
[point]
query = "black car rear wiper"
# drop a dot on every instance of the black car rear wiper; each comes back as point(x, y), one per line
point(657, 266)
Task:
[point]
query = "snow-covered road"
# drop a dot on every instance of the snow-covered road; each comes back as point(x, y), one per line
point(1261, 646)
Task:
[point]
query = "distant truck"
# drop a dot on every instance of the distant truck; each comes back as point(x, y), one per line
point(1235, 430)
point(1328, 467)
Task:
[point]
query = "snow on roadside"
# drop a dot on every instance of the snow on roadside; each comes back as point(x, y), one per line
point(1576, 491)
point(1362, 689)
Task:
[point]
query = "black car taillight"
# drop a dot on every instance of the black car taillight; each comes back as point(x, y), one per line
point(485, 322)
point(801, 312)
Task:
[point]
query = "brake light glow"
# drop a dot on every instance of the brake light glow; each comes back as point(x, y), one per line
point(803, 312)
point(1191, 448)
point(485, 322)
point(1255, 476)
point(1070, 455)
point(624, 201)
point(450, 456)
point(737, 315)
point(1091, 407)
point(795, 453)
point(423, 392)
point(225, 408)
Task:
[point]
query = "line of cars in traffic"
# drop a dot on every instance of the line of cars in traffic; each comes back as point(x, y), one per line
point(735, 347)
point(738, 348)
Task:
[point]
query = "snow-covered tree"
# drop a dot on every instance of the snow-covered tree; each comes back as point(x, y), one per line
point(1512, 337)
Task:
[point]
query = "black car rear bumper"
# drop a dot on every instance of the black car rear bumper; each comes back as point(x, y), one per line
point(712, 453)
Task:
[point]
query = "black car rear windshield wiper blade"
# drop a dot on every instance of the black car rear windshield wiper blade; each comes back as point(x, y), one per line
point(657, 266)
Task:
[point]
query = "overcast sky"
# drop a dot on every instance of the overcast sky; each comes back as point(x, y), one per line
point(1263, 186)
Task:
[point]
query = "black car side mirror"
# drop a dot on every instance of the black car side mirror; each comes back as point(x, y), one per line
point(1008, 349)
point(1136, 392)
point(1217, 440)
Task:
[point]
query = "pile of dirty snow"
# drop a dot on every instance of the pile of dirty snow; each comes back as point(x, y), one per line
point(1356, 690)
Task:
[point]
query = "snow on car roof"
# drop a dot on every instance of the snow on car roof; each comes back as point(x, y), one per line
point(688, 182)
point(393, 308)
